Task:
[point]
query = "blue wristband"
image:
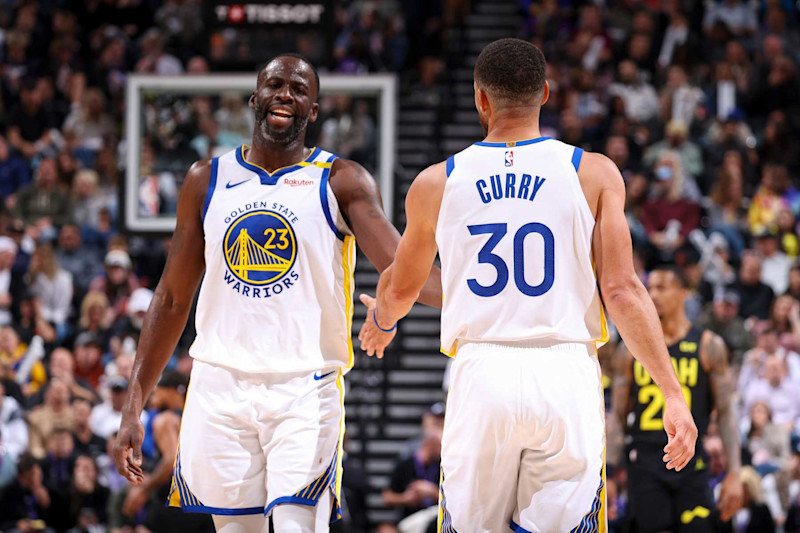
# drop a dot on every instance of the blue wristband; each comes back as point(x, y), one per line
point(374, 319)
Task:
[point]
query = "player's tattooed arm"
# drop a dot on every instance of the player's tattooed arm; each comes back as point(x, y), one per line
point(360, 201)
point(621, 375)
point(714, 355)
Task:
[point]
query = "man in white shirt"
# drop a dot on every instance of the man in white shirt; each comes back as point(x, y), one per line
point(775, 264)
point(779, 393)
point(8, 253)
point(106, 417)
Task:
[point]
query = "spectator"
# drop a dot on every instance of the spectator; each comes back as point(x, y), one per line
point(43, 203)
point(775, 264)
point(722, 318)
point(52, 285)
point(55, 413)
point(118, 282)
point(414, 481)
point(31, 125)
point(639, 97)
point(755, 516)
point(779, 393)
point(26, 501)
point(88, 125)
point(11, 284)
point(738, 15)
point(88, 358)
point(78, 261)
point(727, 209)
point(14, 171)
point(105, 418)
point(755, 297)
point(13, 429)
point(154, 60)
point(22, 360)
point(766, 443)
point(668, 218)
point(676, 137)
point(57, 473)
point(62, 366)
point(96, 317)
point(88, 200)
point(126, 338)
point(86, 442)
point(86, 493)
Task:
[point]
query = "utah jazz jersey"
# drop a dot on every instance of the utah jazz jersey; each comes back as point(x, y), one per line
point(277, 292)
point(515, 243)
point(648, 402)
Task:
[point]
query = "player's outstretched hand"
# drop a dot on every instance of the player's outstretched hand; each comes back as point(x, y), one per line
point(681, 433)
point(731, 496)
point(373, 340)
point(128, 449)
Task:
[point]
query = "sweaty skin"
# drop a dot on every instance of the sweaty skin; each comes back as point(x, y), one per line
point(285, 99)
point(624, 295)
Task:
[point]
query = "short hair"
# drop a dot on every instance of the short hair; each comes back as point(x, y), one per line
point(301, 57)
point(680, 277)
point(511, 71)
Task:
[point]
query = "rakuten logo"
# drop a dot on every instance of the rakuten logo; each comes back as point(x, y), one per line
point(297, 183)
point(271, 13)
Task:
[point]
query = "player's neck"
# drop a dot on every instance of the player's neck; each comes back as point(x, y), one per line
point(506, 129)
point(675, 328)
point(271, 155)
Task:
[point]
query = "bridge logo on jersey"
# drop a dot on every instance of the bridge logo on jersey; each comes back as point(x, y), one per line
point(259, 248)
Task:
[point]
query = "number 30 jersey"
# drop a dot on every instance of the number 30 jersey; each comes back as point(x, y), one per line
point(277, 292)
point(515, 242)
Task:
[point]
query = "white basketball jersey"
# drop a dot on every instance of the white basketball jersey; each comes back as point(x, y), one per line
point(515, 243)
point(277, 295)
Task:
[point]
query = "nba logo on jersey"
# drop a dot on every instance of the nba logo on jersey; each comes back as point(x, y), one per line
point(509, 158)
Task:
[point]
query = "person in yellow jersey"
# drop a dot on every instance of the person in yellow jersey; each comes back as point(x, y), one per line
point(664, 500)
point(525, 227)
point(271, 230)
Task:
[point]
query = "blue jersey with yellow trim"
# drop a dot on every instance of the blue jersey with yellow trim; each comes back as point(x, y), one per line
point(515, 242)
point(277, 295)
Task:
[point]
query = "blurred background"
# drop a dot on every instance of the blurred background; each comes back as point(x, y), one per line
point(695, 101)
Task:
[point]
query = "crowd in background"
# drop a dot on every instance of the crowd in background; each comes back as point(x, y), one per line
point(696, 103)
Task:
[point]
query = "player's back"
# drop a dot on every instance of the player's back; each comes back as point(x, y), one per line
point(515, 241)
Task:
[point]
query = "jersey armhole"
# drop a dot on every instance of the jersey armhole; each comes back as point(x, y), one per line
point(323, 197)
point(450, 165)
point(212, 184)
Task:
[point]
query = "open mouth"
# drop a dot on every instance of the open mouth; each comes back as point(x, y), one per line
point(281, 113)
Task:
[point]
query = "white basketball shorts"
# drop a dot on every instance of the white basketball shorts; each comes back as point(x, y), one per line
point(249, 442)
point(524, 441)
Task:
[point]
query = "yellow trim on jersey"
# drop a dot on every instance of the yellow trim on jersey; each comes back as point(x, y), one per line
point(348, 253)
point(305, 160)
point(452, 351)
point(339, 467)
point(603, 326)
point(319, 164)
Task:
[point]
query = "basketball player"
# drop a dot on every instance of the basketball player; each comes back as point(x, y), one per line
point(663, 500)
point(273, 225)
point(517, 219)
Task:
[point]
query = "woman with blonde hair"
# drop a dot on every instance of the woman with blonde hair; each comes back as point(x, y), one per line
point(96, 316)
point(754, 516)
point(53, 286)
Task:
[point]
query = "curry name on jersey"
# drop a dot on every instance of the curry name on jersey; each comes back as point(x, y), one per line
point(515, 242)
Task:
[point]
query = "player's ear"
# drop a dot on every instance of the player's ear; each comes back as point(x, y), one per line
point(546, 94)
point(312, 117)
point(251, 103)
point(481, 100)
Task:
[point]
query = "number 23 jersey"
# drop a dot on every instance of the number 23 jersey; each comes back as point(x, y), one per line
point(515, 242)
point(277, 295)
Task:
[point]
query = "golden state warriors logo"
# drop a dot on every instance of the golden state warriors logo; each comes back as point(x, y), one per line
point(260, 247)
